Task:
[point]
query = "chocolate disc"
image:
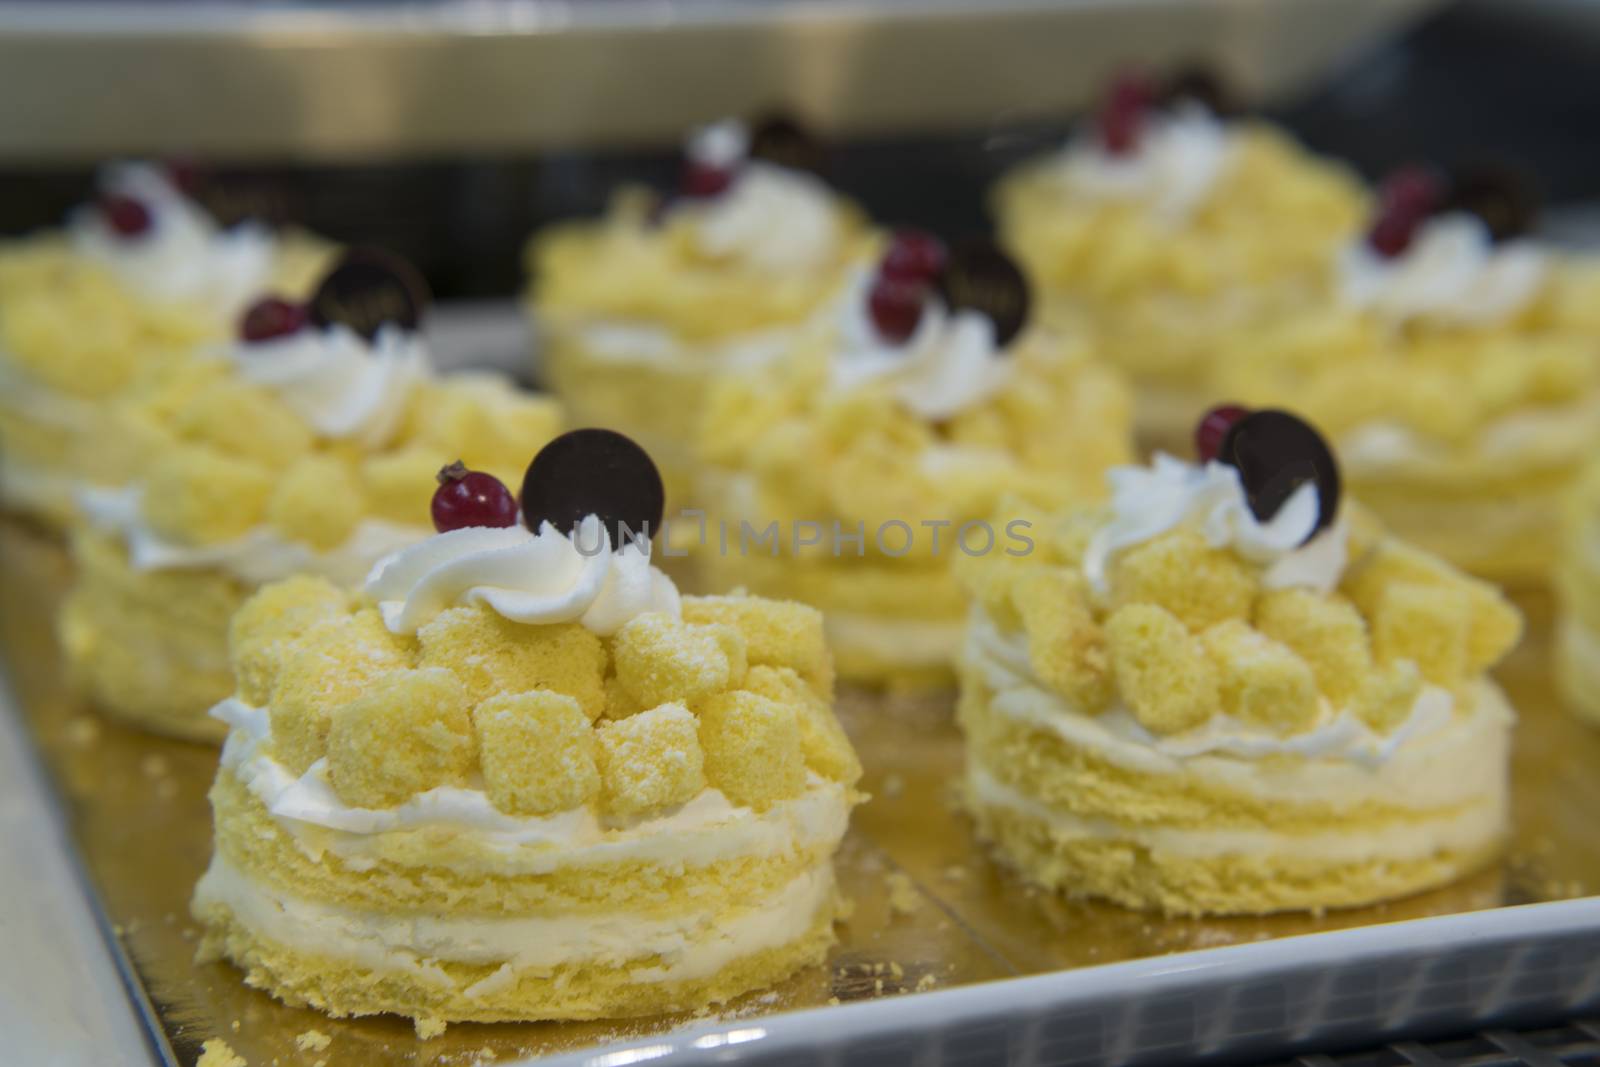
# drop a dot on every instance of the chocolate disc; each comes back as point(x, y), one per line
point(1201, 84)
point(1503, 197)
point(1276, 453)
point(780, 138)
point(981, 277)
point(594, 472)
point(368, 287)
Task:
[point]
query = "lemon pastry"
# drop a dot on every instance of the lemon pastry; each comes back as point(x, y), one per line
point(1578, 589)
point(303, 449)
point(519, 777)
point(138, 281)
point(851, 475)
point(1171, 231)
point(1457, 369)
point(639, 312)
point(1224, 693)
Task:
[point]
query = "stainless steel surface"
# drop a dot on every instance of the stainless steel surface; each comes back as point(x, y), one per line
point(297, 81)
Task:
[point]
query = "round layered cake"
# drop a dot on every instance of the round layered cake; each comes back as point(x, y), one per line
point(519, 777)
point(853, 473)
point(641, 312)
point(1227, 693)
point(306, 447)
point(140, 281)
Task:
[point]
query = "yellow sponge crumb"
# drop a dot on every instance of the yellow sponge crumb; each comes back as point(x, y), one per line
point(1428, 625)
point(312, 1041)
point(244, 421)
point(493, 655)
point(1262, 681)
point(650, 761)
point(538, 752)
point(333, 663)
point(1065, 645)
point(216, 1053)
point(989, 580)
point(195, 495)
point(777, 633)
point(1327, 632)
point(318, 501)
point(409, 731)
point(1178, 571)
point(752, 747)
point(826, 747)
point(661, 660)
point(262, 631)
point(1162, 671)
point(1389, 694)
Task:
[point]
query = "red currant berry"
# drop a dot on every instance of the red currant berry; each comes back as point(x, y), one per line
point(1413, 191)
point(1214, 427)
point(126, 216)
point(702, 180)
point(1392, 233)
point(271, 317)
point(1122, 114)
point(471, 498)
point(913, 256)
point(896, 307)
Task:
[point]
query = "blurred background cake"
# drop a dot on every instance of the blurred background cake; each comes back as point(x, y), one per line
point(853, 472)
point(1577, 586)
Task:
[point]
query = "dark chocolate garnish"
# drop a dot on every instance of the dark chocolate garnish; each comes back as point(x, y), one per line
point(1276, 453)
point(1201, 84)
point(1503, 197)
point(980, 276)
point(781, 138)
point(594, 472)
point(368, 287)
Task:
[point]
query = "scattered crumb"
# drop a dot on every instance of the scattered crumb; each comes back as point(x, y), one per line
point(893, 786)
point(154, 766)
point(896, 970)
point(312, 1041)
point(428, 1029)
point(834, 1001)
point(216, 1053)
point(234, 1026)
point(83, 731)
point(926, 982)
point(955, 872)
point(903, 896)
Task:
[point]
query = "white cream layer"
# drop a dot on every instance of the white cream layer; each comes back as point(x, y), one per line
point(910, 643)
point(1532, 440)
point(685, 947)
point(623, 343)
point(1467, 829)
point(261, 555)
point(1440, 757)
point(703, 831)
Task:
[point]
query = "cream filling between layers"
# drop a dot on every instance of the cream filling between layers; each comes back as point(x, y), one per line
point(1532, 440)
point(1440, 757)
point(686, 947)
point(1464, 829)
point(703, 831)
point(898, 642)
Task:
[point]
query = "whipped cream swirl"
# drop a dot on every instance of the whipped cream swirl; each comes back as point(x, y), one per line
point(1148, 501)
point(184, 257)
point(948, 365)
point(1180, 156)
point(342, 384)
point(1452, 273)
point(770, 219)
point(526, 577)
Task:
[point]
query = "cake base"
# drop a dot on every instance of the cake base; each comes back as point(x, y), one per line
point(149, 648)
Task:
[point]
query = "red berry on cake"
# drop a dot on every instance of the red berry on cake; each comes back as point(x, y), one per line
point(270, 318)
point(896, 307)
point(1209, 434)
point(1405, 200)
point(471, 498)
point(913, 255)
point(1122, 115)
point(704, 180)
point(126, 216)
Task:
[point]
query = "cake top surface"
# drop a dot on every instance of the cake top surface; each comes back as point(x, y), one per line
point(753, 242)
point(537, 671)
point(1156, 193)
point(1240, 599)
point(315, 436)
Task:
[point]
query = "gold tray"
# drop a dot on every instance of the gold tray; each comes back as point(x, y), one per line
point(932, 910)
